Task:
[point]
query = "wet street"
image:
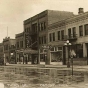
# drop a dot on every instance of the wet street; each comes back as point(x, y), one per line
point(34, 77)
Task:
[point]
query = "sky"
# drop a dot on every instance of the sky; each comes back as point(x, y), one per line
point(14, 12)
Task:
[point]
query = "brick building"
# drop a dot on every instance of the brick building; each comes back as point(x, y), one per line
point(36, 33)
point(9, 50)
point(19, 48)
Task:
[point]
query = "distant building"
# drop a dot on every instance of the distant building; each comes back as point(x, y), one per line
point(19, 48)
point(1, 53)
point(9, 50)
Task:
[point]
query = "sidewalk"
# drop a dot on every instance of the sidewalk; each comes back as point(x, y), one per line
point(85, 67)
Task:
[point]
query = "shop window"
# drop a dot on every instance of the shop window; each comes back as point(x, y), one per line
point(79, 51)
point(42, 57)
point(52, 49)
point(59, 48)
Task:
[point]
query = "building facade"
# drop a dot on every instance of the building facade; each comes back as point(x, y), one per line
point(9, 50)
point(75, 30)
point(20, 48)
point(56, 34)
point(36, 33)
point(1, 54)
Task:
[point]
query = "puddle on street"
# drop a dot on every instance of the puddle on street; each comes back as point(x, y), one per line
point(25, 77)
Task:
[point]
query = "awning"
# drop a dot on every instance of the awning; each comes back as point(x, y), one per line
point(29, 51)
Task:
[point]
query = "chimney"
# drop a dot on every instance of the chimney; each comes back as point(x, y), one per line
point(80, 11)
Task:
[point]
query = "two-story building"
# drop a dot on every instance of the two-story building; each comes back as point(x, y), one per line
point(77, 34)
point(9, 50)
point(75, 30)
point(20, 48)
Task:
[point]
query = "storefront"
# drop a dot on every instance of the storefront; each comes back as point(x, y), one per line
point(56, 55)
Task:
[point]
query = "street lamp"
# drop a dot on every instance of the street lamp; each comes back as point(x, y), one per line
point(67, 43)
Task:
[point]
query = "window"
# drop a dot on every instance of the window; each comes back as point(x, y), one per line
point(44, 39)
point(21, 44)
point(69, 32)
point(58, 35)
point(50, 37)
point(34, 27)
point(81, 30)
point(17, 44)
point(79, 50)
point(74, 31)
point(86, 29)
point(53, 36)
point(39, 40)
point(62, 34)
point(44, 25)
point(6, 47)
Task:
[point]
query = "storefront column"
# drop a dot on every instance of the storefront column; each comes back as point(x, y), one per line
point(66, 54)
point(48, 57)
point(39, 56)
point(84, 50)
point(27, 59)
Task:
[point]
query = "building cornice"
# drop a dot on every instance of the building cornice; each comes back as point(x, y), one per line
point(77, 18)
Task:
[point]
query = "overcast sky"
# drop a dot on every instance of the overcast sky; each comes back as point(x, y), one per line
point(14, 12)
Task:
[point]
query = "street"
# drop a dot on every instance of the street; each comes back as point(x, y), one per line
point(43, 77)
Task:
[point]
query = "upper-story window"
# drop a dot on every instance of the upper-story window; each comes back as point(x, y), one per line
point(21, 44)
point(69, 32)
point(17, 44)
point(86, 29)
point(62, 34)
point(50, 37)
point(27, 29)
point(34, 27)
point(42, 26)
point(6, 47)
point(42, 40)
point(53, 37)
point(74, 31)
point(81, 30)
point(58, 33)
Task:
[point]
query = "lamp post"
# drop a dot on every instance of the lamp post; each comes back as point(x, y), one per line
point(67, 43)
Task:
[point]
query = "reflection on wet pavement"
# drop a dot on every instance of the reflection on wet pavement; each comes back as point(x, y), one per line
point(23, 77)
